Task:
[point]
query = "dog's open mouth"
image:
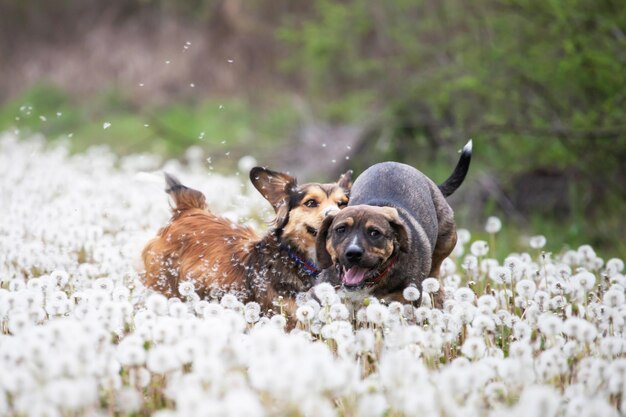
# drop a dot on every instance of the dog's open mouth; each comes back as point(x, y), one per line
point(311, 230)
point(356, 276)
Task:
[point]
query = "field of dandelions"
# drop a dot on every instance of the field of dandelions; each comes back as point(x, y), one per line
point(535, 334)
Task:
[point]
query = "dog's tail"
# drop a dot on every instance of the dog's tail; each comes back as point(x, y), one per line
point(460, 171)
point(184, 198)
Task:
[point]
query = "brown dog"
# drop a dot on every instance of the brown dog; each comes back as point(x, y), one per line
point(396, 231)
point(220, 256)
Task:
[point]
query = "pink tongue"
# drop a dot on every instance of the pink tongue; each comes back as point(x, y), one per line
point(354, 275)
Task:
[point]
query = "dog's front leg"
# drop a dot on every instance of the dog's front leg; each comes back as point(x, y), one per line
point(399, 297)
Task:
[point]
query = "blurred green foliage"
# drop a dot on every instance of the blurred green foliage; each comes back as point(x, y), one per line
point(226, 124)
point(539, 86)
point(544, 80)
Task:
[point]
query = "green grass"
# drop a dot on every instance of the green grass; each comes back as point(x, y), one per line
point(167, 130)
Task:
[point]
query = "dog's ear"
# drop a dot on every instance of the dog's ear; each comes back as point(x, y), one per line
point(345, 180)
point(324, 259)
point(275, 187)
point(398, 226)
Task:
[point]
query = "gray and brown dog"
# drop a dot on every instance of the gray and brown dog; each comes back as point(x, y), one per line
point(395, 232)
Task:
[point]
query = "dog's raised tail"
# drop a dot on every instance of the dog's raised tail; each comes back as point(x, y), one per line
point(460, 171)
point(184, 198)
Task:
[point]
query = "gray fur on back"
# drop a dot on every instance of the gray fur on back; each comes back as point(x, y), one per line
point(405, 188)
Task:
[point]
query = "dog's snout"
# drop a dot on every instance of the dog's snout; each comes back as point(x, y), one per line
point(354, 253)
point(330, 210)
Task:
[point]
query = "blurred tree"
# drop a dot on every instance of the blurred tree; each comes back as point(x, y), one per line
point(541, 86)
point(495, 69)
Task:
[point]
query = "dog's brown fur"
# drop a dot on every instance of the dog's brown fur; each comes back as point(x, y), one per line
point(220, 256)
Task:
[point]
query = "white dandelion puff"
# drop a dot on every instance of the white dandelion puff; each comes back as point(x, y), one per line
point(479, 248)
point(585, 280)
point(305, 313)
point(464, 295)
point(162, 359)
point(339, 311)
point(325, 293)
point(474, 348)
point(613, 298)
point(376, 314)
point(537, 242)
point(186, 288)
point(489, 301)
point(549, 324)
point(157, 303)
point(470, 263)
point(493, 225)
point(128, 400)
point(500, 275)
point(411, 293)
point(526, 288)
point(430, 285)
point(614, 266)
point(463, 236)
point(229, 301)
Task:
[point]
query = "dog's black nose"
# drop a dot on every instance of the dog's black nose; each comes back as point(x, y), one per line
point(354, 253)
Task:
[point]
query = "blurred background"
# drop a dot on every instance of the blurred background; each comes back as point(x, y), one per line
point(317, 87)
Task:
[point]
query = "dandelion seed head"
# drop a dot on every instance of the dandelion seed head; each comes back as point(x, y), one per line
point(463, 236)
point(614, 266)
point(325, 293)
point(178, 310)
point(483, 324)
point(474, 348)
point(376, 314)
point(500, 275)
point(278, 321)
point(488, 301)
point(448, 267)
point(430, 285)
point(479, 248)
point(305, 313)
point(522, 331)
point(464, 295)
point(470, 263)
point(340, 311)
point(128, 400)
point(549, 324)
point(161, 360)
point(411, 293)
point(586, 252)
point(186, 288)
point(526, 288)
point(229, 301)
point(613, 298)
point(537, 242)
point(585, 280)
point(493, 225)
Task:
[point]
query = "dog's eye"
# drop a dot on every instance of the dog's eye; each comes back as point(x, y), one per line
point(311, 203)
point(374, 233)
point(342, 204)
point(340, 230)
